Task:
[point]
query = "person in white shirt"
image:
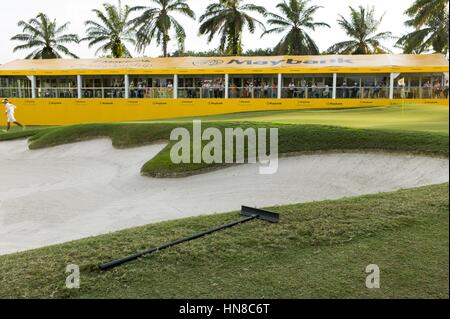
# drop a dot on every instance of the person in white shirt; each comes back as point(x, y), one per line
point(291, 89)
point(9, 111)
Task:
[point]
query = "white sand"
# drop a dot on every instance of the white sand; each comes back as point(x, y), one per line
point(74, 191)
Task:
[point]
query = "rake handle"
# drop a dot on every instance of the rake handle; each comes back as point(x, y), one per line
point(121, 261)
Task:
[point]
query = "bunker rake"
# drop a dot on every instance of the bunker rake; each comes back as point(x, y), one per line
point(248, 214)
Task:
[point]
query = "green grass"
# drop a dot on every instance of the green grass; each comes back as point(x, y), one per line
point(17, 132)
point(318, 250)
point(423, 118)
point(293, 139)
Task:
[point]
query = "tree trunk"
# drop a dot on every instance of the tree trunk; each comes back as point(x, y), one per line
point(166, 40)
point(236, 45)
point(165, 48)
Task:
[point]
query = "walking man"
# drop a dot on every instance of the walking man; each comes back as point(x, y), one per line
point(9, 111)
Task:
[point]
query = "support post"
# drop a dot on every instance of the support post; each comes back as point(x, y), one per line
point(79, 86)
point(175, 86)
point(227, 86)
point(33, 86)
point(127, 86)
point(280, 85)
point(391, 86)
point(420, 87)
point(334, 85)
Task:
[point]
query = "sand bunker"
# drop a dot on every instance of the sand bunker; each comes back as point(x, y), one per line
point(73, 191)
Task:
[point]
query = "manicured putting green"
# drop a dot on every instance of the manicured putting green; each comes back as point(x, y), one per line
point(425, 118)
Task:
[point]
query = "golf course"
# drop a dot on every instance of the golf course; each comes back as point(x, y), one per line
point(319, 249)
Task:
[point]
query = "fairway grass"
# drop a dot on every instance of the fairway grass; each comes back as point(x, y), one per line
point(422, 118)
point(318, 250)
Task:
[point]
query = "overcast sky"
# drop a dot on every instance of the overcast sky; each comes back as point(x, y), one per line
point(78, 11)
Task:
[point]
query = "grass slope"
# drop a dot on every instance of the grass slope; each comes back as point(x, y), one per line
point(293, 139)
point(318, 250)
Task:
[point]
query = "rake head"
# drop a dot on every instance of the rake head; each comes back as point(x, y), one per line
point(260, 214)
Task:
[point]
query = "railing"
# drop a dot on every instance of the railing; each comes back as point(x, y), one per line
point(253, 93)
point(320, 92)
point(103, 93)
point(64, 93)
point(405, 92)
point(9, 92)
point(365, 92)
point(201, 93)
point(417, 92)
point(151, 93)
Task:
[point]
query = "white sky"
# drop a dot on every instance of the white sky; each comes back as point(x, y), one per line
point(78, 11)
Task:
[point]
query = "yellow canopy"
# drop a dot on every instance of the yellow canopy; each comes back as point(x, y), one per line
point(382, 63)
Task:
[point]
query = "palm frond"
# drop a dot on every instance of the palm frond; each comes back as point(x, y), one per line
point(362, 29)
point(227, 19)
point(44, 36)
point(296, 17)
point(156, 24)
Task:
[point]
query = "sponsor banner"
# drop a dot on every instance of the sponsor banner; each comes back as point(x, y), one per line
point(74, 111)
point(210, 65)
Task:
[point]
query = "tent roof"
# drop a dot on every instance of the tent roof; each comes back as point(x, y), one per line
point(251, 65)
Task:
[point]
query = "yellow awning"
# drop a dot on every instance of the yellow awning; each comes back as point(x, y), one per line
point(234, 65)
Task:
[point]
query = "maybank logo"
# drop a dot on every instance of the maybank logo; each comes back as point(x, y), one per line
point(212, 62)
point(216, 62)
point(123, 61)
point(129, 63)
point(290, 62)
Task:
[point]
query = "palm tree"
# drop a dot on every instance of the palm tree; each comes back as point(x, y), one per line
point(407, 49)
point(158, 23)
point(424, 11)
point(296, 20)
point(45, 38)
point(432, 36)
point(362, 29)
point(430, 20)
point(229, 18)
point(112, 31)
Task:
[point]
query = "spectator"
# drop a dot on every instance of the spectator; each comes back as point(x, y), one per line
point(211, 89)
point(291, 89)
point(234, 90)
point(427, 89)
point(140, 90)
point(314, 90)
point(326, 92)
point(437, 90)
point(274, 90)
point(303, 88)
point(251, 89)
point(445, 91)
point(376, 90)
point(169, 90)
point(344, 90)
point(266, 88)
point(221, 89)
point(355, 91)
